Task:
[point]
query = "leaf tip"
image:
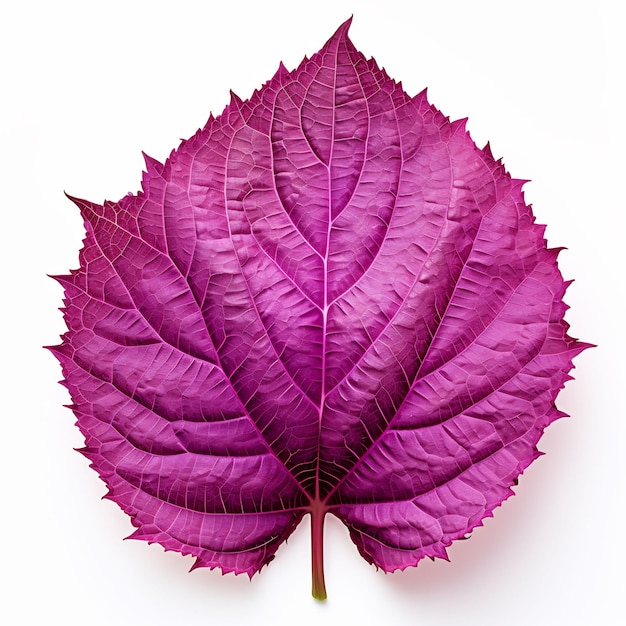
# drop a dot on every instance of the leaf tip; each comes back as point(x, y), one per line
point(458, 125)
point(59, 351)
point(197, 564)
point(235, 99)
point(421, 98)
point(152, 165)
point(581, 346)
point(342, 31)
point(280, 73)
point(345, 27)
point(84, 206)
point(62, 279)
point(137, 534)
point(74, 199)
point(518, 183)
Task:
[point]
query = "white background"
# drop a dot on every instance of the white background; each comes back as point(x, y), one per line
point(87, 85)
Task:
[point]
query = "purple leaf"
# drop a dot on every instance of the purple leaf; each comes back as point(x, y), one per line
point(328, 300)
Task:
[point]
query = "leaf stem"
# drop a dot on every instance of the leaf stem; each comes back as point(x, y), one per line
point(318, 511)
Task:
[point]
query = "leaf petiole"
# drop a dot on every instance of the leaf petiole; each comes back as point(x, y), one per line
point(318, 511)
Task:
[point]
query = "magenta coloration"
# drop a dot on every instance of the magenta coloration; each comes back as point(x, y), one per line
point(328, 300)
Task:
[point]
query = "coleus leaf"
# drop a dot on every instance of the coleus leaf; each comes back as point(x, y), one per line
point(328, 300)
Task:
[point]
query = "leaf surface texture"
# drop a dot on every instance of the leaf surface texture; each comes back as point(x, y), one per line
point(327, 300)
